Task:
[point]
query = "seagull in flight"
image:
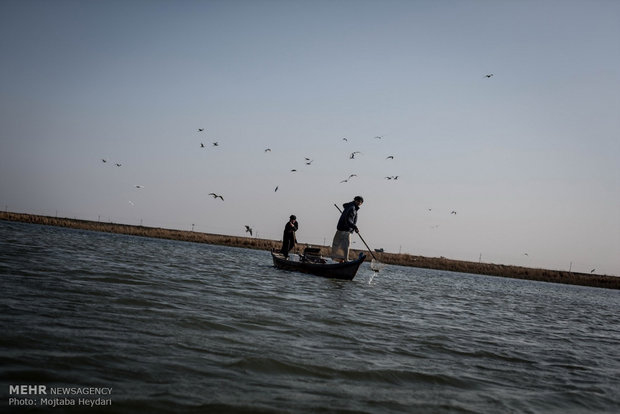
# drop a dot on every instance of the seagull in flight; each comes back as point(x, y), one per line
point(267, 149)
point(216, 196)
point(309, 161)
point(379, 137)
point(248, 229)
point(352, 156)
point(389, 157)
point(202, 145)
point(277, 186)
point(488, 76)
point(118, 164)
point(453, 212)
point(104, 161)
point(200, 129)
point(592, 271)
point(215, 144)
point(347, 179)
point(293, 170)
point(344, 139)
point(139, 186)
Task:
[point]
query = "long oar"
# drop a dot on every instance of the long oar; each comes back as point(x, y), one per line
point(374, 264)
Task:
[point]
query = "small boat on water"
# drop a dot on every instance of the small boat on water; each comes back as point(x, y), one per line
point(311, 262)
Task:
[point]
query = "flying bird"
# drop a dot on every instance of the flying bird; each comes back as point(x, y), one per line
point(248, 229)
point(104, 161)
point(488, 76)
point(202, 145)
point(453, 212)
point(215, 144)
point(379, 137)
point(118, 165)
point(352, 156)
point(389, 157)
point(347, 179)
point(277, 186)
point(200, 129)
point(293, 170)
point(216, 196)
point(267, 149)
point(309, 161)
point(344, 139)
point(592, 271)
point(139, 186)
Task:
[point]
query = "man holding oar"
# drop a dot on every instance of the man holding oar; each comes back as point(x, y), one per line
point(347, 224)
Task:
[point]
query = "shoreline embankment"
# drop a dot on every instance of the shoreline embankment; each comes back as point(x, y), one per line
point(489, 269)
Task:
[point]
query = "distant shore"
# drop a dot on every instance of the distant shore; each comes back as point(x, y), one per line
point(543, 275)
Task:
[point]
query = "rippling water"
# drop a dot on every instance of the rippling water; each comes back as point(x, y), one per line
point(181, 327)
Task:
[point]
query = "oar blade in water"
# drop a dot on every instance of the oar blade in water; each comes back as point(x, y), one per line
point(376, 265)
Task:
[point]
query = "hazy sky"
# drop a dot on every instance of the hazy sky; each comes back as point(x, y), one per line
point(528, 158)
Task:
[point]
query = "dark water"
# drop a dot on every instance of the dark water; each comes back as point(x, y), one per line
point(180, 327)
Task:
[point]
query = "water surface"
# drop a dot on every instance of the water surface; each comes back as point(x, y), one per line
point(182, 327)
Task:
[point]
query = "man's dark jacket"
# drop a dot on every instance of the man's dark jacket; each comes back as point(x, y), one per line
point(348, 218)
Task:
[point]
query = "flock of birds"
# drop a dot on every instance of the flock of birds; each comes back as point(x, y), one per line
point(118, 164)
point(307, 161)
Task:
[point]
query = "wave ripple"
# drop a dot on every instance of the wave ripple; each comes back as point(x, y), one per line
point(181, 327)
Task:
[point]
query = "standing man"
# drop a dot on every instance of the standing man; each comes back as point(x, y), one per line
point(347, 224)
point(288, 238)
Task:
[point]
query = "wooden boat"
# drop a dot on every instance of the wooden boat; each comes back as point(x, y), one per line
point(311, 262)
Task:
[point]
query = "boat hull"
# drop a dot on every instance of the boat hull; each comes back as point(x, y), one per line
point(343, 271)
